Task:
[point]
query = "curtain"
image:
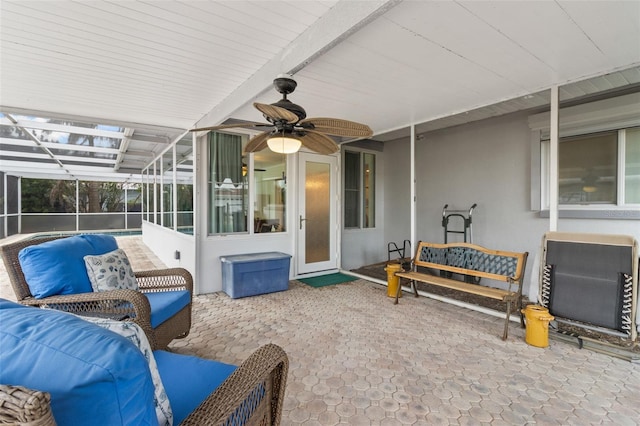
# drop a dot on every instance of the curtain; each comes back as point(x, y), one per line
point(226, 157)
point(227, 211)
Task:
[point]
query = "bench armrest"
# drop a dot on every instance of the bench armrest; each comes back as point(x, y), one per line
point(261, 377)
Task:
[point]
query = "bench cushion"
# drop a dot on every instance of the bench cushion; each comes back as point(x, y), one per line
point(57, 267)
point(189, 380)
point(166, 304)
point(91, 373)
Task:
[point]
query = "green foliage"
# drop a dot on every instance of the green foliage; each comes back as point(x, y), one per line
point(42, 196)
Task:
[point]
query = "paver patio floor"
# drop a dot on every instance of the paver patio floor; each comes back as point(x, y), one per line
point(355, 358)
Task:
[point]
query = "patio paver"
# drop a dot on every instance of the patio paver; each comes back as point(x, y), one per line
point(358, 359)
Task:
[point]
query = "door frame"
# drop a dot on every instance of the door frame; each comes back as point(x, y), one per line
point(333, 264)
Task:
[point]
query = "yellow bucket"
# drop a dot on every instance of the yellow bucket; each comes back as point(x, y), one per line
point(537, 320)
point(392, 281)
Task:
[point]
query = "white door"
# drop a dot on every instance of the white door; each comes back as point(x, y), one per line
point(317, 224)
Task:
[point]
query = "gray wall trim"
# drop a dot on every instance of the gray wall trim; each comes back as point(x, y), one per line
point(594, 214)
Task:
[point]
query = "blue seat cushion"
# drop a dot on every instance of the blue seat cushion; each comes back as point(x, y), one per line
point(101, 243)
point(166, 304)
point(189, 380)
point(57, 267)
point(91, 373)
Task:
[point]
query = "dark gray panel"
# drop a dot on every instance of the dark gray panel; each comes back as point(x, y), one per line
point(586, 284)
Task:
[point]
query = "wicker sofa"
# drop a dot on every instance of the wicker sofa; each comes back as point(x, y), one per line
point(95, 375)
point(161, 306)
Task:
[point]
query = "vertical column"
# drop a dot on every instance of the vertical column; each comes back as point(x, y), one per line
point(414, 231)
point(77, 205)
point(175, 187)
point(553, 160)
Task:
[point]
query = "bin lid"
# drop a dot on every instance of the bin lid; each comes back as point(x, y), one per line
point(254, 257)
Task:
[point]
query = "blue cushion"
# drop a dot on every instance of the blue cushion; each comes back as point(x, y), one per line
point(57, 267)
point(189, 380)
point(101, 243)
point(166, 304)
point(91, 373)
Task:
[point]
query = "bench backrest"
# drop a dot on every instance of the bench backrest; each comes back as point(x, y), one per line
point(470, 259)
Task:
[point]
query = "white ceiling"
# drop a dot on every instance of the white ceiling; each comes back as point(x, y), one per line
point(173, 65)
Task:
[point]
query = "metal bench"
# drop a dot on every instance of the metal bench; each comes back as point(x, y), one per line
point(472, 262)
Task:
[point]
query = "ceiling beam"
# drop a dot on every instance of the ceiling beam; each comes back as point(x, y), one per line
point(124, 146)
point(64, 147)
point(38, 142)
point(63, 128)
point(341, 21)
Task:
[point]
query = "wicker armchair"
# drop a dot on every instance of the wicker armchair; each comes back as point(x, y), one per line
point(111, 304)
point(22, 406)
point(252, 395)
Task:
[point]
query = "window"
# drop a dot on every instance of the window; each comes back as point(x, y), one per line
point(632, 167)
point(184, 172)
point(167, 188)
point(227, 187)
point(587, 169)
point(597, 169)
point(359, 189)
point(236, 180)
point(270, 184)
point(598, 159)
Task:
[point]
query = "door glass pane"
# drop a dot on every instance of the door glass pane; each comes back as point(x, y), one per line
point(632, 167)
point(587, 169)
point(317, 203)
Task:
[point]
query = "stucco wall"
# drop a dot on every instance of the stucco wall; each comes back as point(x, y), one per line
point(366, 246)
point(487, 163)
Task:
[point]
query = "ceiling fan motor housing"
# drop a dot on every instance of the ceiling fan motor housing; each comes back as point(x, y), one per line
point(290, 106)
point(285, 84)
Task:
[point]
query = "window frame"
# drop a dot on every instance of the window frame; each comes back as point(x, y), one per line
point(614, 114)
point(361, 196)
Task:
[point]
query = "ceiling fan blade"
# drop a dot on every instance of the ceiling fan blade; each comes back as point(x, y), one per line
point(258, 142)
point(318, 142)
point(276, 113)
point(225, 126)
point(338, 127)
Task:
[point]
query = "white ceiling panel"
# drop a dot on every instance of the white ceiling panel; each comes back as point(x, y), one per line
point(162, 67)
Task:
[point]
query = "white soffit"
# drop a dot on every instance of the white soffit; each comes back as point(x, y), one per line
point(160, 68)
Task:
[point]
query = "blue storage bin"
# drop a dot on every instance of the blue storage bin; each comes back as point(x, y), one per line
point(255, 273)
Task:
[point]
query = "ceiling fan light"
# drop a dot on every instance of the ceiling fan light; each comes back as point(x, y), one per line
point(283, 145)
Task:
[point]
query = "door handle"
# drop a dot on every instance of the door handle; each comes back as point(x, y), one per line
point(301, 220)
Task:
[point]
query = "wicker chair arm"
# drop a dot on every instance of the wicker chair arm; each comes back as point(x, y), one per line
point(231, 402)
point(165, 279)
point(115, 304)
point(23, 406)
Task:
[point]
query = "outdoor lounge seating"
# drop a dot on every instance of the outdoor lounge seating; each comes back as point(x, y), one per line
point(99, 371)
point(51, 272)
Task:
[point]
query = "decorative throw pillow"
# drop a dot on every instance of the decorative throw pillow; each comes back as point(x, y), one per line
point(110, 271)
point(135, 335)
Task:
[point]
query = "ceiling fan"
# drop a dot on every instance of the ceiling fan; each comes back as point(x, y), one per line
point(289, 127)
